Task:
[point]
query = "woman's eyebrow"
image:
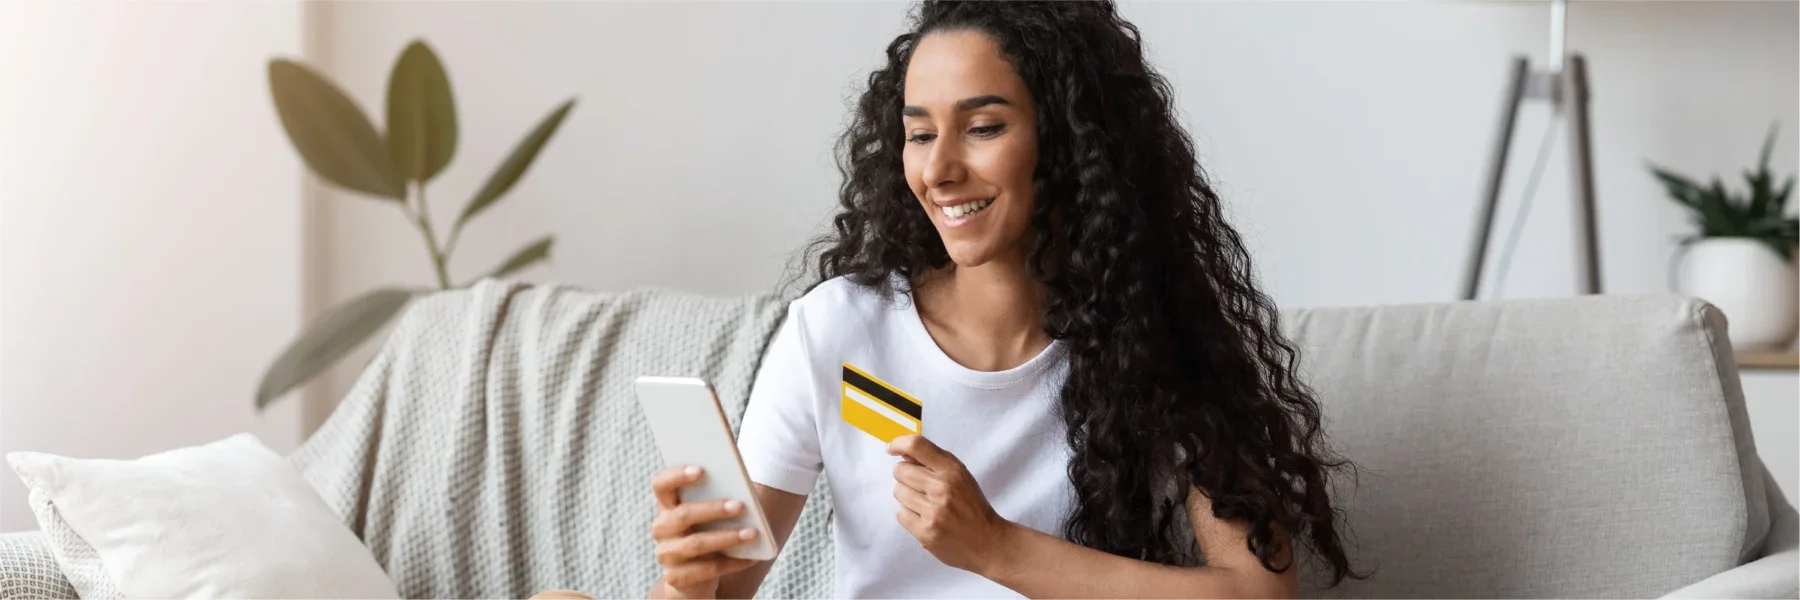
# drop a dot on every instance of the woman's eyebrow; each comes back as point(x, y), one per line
point(971, 103)
point(979, 101)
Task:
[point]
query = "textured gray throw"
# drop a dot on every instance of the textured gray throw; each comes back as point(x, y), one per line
point(494, 448)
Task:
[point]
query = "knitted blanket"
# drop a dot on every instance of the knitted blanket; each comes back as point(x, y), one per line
point(494, 448)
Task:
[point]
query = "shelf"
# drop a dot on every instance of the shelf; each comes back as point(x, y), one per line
point(1785, 359)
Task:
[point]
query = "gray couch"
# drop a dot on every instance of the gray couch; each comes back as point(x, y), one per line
point(1593, 447)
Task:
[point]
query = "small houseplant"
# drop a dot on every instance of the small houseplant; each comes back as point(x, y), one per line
point(341, 145)
point(1742, 258)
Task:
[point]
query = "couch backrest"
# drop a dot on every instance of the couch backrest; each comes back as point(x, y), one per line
point(1579, 447)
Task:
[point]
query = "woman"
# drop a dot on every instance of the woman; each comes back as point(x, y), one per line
point(1027, 247)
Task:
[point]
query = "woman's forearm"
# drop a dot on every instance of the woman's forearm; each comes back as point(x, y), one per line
point(1039, 565)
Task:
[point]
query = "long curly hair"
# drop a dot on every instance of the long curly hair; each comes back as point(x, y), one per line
point(1178, 372)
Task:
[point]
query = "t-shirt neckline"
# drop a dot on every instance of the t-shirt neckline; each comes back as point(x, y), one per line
point(988, 380)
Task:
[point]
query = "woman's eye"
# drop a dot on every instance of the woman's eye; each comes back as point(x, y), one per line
point(987, 130)
point(920, 137)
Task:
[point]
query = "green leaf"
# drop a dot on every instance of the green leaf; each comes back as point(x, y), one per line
point(328, 339)
point(514, 167)
point(1761, 192)
point(1768, 148)
point(333, 136)
point(1762, 181)
point(524, 257)
point(1680, 188)
point(1716, 212)
point(421, 114)
point(1778, 206)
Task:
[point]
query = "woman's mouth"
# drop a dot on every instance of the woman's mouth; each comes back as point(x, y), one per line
point(957, 213)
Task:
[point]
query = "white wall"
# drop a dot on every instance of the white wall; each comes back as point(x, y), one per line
point(149, 228)
point(1350, 137)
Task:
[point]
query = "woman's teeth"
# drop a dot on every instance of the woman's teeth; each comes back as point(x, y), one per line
point(966, 208)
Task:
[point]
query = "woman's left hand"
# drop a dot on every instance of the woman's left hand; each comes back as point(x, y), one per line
point(942, 506)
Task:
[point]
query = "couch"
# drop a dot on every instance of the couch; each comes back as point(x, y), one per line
point(1588, 447)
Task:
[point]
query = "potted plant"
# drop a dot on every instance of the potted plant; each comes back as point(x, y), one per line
point(341, 145)
point(1742, 259)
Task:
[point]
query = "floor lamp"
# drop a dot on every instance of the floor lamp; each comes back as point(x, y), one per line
point(1564, 86)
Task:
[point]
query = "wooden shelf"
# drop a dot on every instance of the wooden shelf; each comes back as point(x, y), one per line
point(1775, 358)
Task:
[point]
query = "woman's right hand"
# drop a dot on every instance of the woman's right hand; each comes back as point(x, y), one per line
point(691, 560)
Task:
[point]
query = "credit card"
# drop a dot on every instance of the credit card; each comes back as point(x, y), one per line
point(878, 408)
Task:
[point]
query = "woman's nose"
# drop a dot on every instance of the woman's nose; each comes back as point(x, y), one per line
point(945, 165)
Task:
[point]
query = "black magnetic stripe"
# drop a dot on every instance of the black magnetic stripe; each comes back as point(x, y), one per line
point(882, 393)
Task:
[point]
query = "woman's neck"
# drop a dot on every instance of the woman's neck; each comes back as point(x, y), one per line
point(986, 318)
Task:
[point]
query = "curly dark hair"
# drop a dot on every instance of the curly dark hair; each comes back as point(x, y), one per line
point(1179, 374)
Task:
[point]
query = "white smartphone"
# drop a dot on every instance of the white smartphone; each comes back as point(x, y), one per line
point(691, 429)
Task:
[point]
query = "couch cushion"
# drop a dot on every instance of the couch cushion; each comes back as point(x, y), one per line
point(1563, 448)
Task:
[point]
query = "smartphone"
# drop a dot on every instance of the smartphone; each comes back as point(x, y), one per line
point(690, 428)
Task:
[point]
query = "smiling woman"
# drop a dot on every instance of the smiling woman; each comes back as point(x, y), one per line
point(1027, 248)
point(1064, 214)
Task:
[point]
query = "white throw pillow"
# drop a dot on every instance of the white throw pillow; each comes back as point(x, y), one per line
point(228, 519)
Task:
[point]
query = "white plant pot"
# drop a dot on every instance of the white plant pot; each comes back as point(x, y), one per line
point(1749, 282)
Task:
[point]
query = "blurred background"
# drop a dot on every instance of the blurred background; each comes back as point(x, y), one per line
point(161, 240)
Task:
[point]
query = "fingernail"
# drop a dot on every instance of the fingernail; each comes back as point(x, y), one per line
point(732, 506)
point(692, 471)
point(746, 533)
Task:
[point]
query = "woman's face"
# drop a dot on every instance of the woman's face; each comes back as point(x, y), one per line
point(971, 145)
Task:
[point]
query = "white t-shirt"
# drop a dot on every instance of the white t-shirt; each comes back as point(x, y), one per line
point(1002, 425)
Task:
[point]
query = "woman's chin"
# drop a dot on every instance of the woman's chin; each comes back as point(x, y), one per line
point(978, 242)
point(970, 255)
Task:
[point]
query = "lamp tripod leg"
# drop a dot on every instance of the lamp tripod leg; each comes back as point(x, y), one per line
point(1575, 99)
point(1490, 197)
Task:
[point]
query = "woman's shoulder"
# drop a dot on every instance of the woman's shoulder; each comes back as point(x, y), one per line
point(841, 300)
point(838, 311)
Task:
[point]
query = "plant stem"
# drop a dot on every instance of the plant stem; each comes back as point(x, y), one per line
point(450, 244)
point(422, 218)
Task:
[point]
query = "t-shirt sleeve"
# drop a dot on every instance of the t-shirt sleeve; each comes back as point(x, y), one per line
point(779, 438)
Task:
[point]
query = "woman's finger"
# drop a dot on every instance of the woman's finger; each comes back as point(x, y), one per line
point(922, 450)
point(700, 544)
point(667, 484)
point(911, 499)
point(911, 521)
point(725, 565)
point(912, 475)
point(674, 522)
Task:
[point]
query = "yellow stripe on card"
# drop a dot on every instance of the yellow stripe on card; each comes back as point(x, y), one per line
point(871, 422)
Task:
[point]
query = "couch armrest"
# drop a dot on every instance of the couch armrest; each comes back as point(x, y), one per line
point(29, 570)
point(1775, 573)
point(1772, 576)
